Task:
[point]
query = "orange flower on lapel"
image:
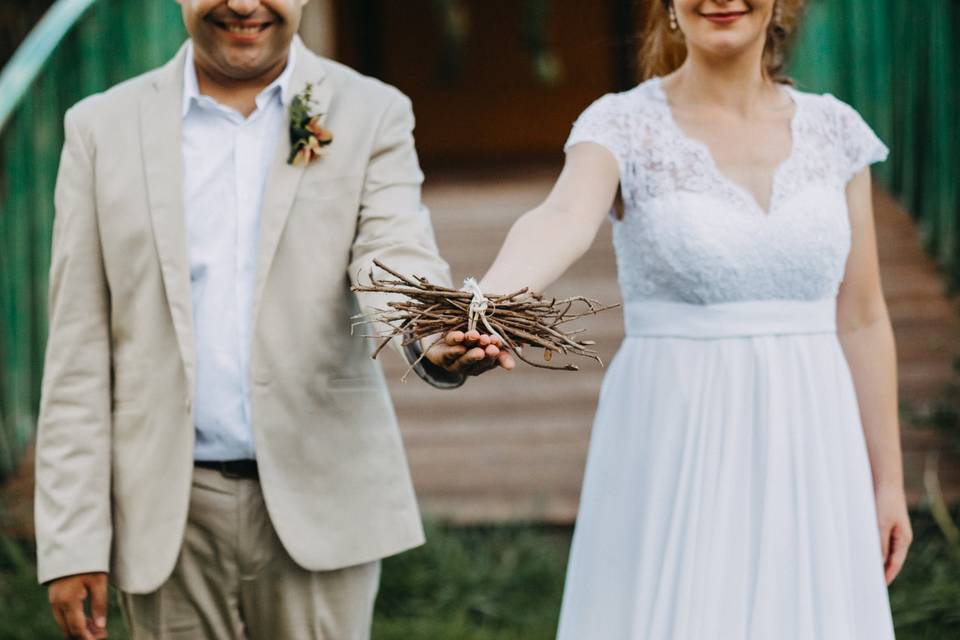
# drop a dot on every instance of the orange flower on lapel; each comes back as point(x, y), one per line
point(308, 137)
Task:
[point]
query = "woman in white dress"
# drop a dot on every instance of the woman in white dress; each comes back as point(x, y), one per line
point(744, 479)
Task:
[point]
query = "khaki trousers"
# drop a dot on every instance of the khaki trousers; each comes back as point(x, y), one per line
point(234, 581)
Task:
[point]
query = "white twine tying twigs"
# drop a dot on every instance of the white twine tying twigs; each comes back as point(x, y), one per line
point(478, 309)
point(420, 309)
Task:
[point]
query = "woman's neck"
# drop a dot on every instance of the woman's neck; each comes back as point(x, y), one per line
point(738, 84)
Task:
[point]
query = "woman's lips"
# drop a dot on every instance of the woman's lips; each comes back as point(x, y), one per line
point(724, 18)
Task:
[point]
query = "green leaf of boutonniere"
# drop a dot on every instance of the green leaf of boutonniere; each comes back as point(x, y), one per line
point(308, 137)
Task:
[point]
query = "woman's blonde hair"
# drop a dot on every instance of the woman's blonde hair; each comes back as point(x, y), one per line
point(663, 50)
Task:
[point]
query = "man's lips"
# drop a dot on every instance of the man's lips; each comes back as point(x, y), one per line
point(243, 29)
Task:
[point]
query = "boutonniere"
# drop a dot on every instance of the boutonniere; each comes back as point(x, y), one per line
point(307, 135)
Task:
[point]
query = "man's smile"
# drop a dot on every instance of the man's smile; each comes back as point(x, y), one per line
point(242, 29)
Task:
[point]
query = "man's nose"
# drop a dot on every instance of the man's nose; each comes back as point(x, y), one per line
point(243, 7)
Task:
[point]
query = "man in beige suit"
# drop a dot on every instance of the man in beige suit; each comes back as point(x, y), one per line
point(211, 436)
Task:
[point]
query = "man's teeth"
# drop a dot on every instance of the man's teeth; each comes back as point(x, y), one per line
point(236, 28)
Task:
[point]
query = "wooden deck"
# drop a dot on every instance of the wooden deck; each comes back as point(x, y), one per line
point(512, 446)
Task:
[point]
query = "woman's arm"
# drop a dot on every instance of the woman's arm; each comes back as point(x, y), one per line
point(865, 333)
point(545, 241)
point(540, 246)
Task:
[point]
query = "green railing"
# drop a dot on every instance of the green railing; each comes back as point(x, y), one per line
point(897, 62)
point(78, 48)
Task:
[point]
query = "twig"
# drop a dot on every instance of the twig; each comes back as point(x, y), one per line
point(522, 318)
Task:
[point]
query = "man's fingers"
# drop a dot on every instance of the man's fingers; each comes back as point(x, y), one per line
point(60, 619)
point(99, 601)
point(77, 621)
point(473, 356)
point(443, 354)
point(451, 354)
point(468, 360)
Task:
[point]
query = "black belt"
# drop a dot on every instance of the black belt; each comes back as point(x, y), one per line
point(232, 468)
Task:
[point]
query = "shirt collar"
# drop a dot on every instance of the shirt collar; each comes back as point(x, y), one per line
point(191, 87)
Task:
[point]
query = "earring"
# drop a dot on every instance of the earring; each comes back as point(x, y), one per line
point(777, 14)
point(673, 19)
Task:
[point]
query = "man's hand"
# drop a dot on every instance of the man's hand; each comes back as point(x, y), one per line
point(67, 597)
point(470, 353)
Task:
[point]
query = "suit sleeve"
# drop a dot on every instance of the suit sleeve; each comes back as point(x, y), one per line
point(394, 226)
point(72, 501)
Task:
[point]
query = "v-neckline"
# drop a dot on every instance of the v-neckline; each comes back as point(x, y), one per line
point(707, 154)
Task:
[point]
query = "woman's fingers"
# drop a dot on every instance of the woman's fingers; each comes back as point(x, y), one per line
point(900, 538)
point(885, 530)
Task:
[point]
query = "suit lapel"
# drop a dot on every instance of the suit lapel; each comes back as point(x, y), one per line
point(160, 124)
point(284, 179)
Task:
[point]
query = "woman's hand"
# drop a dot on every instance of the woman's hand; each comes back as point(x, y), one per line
point(895, 531)
point(471, 353)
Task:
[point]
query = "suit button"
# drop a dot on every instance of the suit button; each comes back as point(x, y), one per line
point(187, 404)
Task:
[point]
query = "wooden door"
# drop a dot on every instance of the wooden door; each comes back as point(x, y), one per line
point(479, 88)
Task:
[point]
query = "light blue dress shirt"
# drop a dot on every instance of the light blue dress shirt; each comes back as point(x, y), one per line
point(226, 160)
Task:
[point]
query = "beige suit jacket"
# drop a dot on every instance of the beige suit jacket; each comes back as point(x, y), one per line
point(116, 434)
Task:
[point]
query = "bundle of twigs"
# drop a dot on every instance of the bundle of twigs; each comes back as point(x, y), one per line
point(520, 319)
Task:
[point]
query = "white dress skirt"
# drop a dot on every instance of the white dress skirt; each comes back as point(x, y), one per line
point(728, 492)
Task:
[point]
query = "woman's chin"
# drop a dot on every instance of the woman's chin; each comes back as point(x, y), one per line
point(723, 45)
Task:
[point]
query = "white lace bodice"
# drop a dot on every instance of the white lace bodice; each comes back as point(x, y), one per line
point(690, 234)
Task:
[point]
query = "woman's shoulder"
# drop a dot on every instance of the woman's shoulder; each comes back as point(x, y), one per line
point(614, 120)
point(826, 105)
point(622, 106)
point(838, 125)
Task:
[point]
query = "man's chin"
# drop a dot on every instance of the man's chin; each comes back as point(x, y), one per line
point(243, 64)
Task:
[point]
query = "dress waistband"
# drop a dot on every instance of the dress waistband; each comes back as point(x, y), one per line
point(729, 319)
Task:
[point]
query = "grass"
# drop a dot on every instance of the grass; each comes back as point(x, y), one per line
point(475, 584)
point(505, 583)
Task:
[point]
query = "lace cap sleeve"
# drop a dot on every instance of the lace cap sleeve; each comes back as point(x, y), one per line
point(603, 122)
point(859, 145)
